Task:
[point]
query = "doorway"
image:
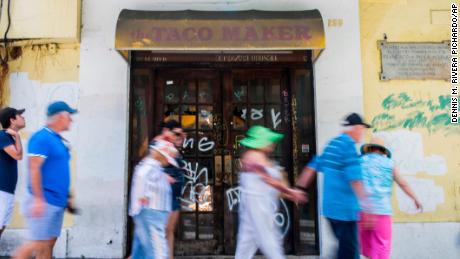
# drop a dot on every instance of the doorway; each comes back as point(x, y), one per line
point(216, 104)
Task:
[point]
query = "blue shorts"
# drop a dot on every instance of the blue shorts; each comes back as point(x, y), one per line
point(48, 225)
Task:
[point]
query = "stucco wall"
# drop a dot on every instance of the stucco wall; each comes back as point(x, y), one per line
point(45, 19)
point(42, 74)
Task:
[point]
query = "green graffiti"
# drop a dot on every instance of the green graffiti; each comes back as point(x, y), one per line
point(403, 111)
point(404, 101)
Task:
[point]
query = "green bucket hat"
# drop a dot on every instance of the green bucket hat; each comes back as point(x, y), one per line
point(260, 137)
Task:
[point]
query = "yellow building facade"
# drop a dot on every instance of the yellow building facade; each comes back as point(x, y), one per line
point(48, 60)
point(413, 116)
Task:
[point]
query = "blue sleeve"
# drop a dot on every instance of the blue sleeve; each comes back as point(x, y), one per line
point(315, 163)
point(352, 164)
point(5, 140)
point(38, 146)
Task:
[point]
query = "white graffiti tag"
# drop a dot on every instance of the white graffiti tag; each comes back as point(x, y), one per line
point(281, 217)
point(244, 112)
point(204, 144)
point(233, 197)
point(188, 143)
point(197, 186)
point(275, 118)
point(257, 114)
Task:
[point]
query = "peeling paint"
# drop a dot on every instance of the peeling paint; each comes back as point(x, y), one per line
point(35, 96)
point(409, 154)
point(429, 194)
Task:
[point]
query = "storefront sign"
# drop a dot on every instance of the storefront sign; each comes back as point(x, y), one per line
point(415, 60)
point(154, 57)
point(201, 30)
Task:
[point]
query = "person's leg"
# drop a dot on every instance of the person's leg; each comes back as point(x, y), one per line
point(25, 251)
point(265, 232)
point(30, 249)
point(53, 227)
point(158, 234)
point(157, 221)
point(246, 246)
point(45, 230)
point(56, 226)
point(141, 236)
point(382, 238)
point(136, 251)
point(346, 233)
point(365, 240)
point(170, 228)
point(46, 251)
point(6, 209)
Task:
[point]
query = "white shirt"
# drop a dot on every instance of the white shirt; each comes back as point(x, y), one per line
point(252, 184)
point(150, 181)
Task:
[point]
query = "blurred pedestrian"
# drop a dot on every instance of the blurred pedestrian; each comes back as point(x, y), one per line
point(379, 172)
point(49, 181)
point(169, 131)
point(12, 122)
point(260, 184)
point(343, 189)
point(151, 200)
point(177, 172)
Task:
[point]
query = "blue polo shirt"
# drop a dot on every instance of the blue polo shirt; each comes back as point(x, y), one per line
point(55, 170)
point(340, 165)
point(8, 165)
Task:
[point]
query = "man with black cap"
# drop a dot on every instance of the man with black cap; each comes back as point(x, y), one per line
point(11, 151)
point(49, 182)
point(343, 191)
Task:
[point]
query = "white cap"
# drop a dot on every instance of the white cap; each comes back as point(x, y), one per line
point(167, 150)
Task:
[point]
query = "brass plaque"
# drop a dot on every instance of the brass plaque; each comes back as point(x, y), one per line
point(415, 61)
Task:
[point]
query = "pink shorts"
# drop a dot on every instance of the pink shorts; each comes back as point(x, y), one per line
point(376, 242)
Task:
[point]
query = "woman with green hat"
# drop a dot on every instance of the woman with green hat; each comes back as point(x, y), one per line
point(260, 187)
point(379, 173)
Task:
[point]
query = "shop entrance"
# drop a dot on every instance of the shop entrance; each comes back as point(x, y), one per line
point(216, 103)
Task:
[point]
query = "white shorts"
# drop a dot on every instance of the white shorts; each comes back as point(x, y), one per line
point(6, 208)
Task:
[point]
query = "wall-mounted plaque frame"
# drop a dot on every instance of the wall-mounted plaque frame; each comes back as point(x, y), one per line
point(414, 60)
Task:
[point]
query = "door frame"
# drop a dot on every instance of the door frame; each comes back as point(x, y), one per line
point(224, 72)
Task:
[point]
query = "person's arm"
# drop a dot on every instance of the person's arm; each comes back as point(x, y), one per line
point(38, 152)
point(35, 163)
point(406, 188)
point(308, 174)
point(290, 193)
point(14, 150)
point(275, 183)
point(306, 177)
point(367, 219)
point(138, 183)
point(278, 184)
point(260, 170)
point(360, 192)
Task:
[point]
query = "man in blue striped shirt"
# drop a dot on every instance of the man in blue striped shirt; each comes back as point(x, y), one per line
point(343, 189)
